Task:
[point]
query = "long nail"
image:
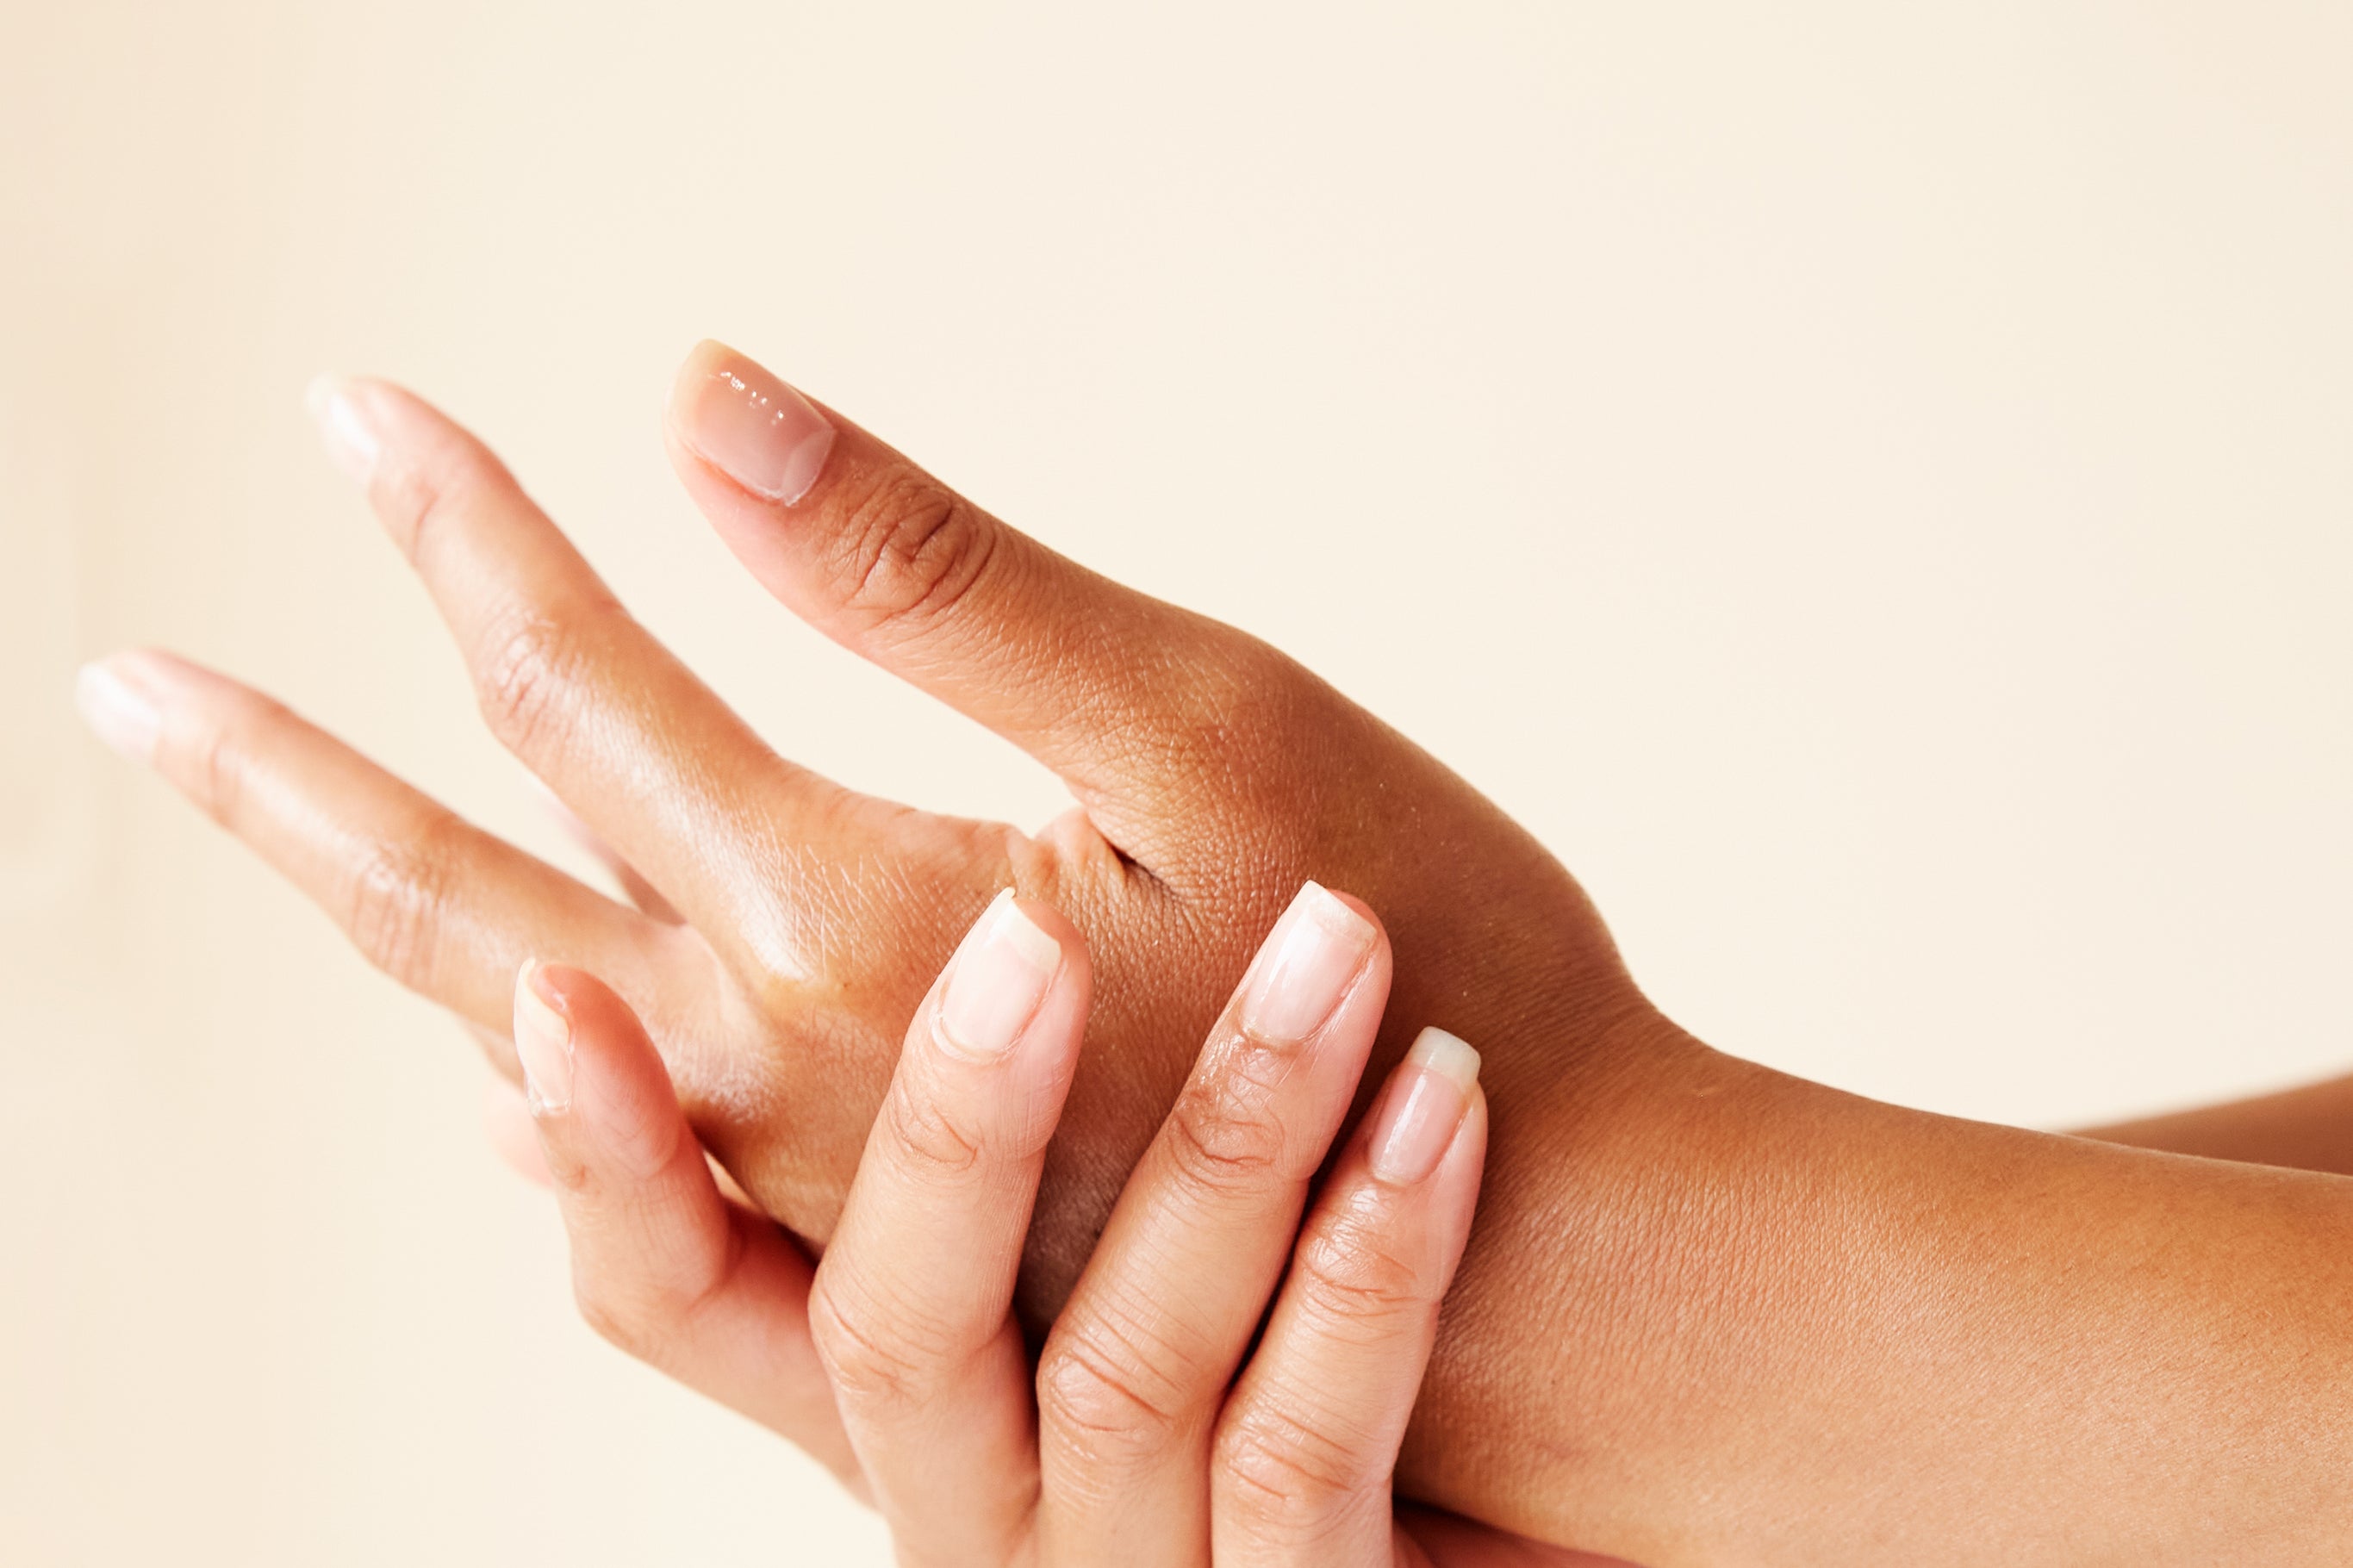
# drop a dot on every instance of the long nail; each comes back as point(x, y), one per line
point(543, 1038)
point(1001, 974)
point(343, 428)
point(1423, 1107)
point(119, 707)
point(1304, 968)
point(748, 425)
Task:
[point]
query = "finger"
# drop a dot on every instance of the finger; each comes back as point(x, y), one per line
point(645, 753)
point(1120, 694)
point(662, 1265)
point(1308, 1442)
point(442, 907)
point(507, 1125)
point(638, 892)
point(913, 1306)
point(1130, 1378)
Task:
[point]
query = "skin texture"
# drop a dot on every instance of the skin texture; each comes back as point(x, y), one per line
point(898, 1357)
point(1709, 1313)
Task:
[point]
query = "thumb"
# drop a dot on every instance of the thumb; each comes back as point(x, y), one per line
point(1122, 695)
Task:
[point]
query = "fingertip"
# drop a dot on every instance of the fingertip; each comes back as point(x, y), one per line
point(545, 1040)
point(512, 1135)
point(616, 1093)
point(1020, 967)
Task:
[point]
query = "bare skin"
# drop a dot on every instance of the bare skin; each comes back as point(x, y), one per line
point(1710, 1313)
point(2308, 1128)
point(898, 1360)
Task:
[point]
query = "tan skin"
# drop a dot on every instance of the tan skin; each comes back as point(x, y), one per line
point(1710, 1313)
point(2308, 1128)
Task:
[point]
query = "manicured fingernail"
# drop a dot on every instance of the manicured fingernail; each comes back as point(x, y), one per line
point(543, 1038)
point(118, 708)
point(1304, 970)
point(1001, 974)
point(748, 425)
point(348, 438)
point(1423, 1107)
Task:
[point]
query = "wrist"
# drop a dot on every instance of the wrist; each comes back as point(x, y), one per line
point(1718, 1313)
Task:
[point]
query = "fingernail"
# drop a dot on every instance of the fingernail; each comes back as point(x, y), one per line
point(1001, 974)
point(748, 425)
point(1423, 1107)
point(117, 710)
point(351, 441)
point(543, 1038)
point(1314, 950)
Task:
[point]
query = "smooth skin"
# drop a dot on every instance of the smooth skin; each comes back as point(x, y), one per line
point(899, 1355)
point(1710, 1313)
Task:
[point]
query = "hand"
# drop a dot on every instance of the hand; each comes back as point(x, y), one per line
point(901, 1363)
point(1710, 1312)
point(1214, 775)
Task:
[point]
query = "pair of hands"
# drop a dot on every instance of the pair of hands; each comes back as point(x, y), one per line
point(1709, 1312)
point(787, 927)
point(897, 1358)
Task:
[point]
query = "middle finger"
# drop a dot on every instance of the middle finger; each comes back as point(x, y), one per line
point(569, 681)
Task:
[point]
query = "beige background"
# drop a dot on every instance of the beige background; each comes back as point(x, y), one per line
point(1869, 488)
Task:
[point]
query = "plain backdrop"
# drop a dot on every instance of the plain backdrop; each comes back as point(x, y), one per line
point(1867, 484)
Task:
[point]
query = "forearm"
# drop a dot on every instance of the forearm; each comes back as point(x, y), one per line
point(2306, 1129)
point(1758, 1320)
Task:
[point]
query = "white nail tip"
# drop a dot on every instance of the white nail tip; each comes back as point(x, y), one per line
point(347, 437)
point(117, 712)
point(1007, 922)
point(1326, 908)
point(1447, 1055)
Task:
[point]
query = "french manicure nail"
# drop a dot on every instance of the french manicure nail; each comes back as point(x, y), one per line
point(748, 425)
point(118, 711)
point(1001, 974)
point(1304, 968)
point(1423, 1107)
point(543, 1039)
point(351, 441)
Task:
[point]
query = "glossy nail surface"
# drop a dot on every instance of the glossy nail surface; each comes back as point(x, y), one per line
point(543, 1039)
point(1423, 1109)
point(750, 426)
point(1001, 974)
point(1305, 967)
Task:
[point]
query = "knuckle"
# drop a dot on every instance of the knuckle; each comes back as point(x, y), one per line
point(1350, 1277)
point(911, 551)
point(396, 894)
point(1103, 1391)
point(530, 663)
point(934, 1140)
point(437, 486)
point(1221, 1138)
point(213, 764)
point(1282, 1473)
point(874, 1357)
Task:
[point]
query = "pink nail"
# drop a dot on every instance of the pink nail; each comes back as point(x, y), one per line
point(543, 1039)
point(748, 425)
point(1423, 1107)
point(1001, 974)
point(1304, 967)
